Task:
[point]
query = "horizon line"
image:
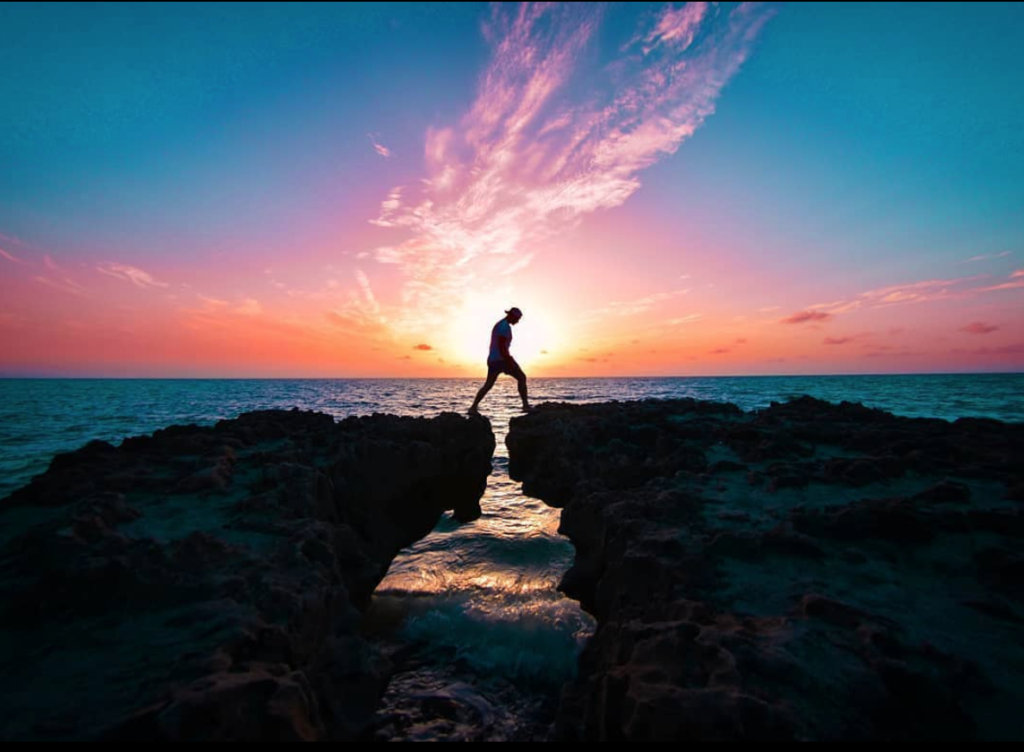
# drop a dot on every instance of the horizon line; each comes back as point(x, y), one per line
point(477, 378)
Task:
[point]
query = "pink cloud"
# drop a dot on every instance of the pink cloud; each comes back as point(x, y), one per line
point(249, 307)
point(387, 208)
point(913, 292)
point(690, 319)
point(339, 318)
point(845, 340)
point(52, 265)
point(423, 347)
point(527, 161)
point(987, 257)
point(887, 353)
point(65, 285)
point(10, 257)
point(132, 274)
point(369, 300)
point(1016, 282)
point(979, 327)
point(379, 147)
point(11, 240)
point(213, 302)
point(637, 305)
point(520, 263)
point(802, 317)
point(679, 25)
point(359, 309)
point(916, 292)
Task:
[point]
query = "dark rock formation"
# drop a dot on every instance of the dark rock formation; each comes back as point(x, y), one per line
point(811, 571)
point(206, 583)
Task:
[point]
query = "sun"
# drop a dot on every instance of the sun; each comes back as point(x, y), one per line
point(535, 339)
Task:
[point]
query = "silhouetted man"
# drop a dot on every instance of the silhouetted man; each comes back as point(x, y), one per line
point(501, 361)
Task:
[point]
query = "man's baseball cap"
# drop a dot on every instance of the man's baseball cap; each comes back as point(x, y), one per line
point(514, 310)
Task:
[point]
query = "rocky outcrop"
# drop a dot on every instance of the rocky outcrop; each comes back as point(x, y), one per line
point(206, 583)
point(810, 571)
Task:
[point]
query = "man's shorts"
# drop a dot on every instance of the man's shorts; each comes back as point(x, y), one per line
point(503, 366)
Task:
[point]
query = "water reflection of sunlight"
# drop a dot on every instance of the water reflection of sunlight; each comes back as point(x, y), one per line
point(486, 592)
point(486, 580)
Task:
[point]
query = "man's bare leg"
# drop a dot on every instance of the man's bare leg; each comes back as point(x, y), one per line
point(521, 378)
point(491, 378)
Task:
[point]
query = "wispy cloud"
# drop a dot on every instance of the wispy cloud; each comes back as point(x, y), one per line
point(987, 257)
point(1016, 282)
point(213, 302)
point(64, 284)
point(845, 340)
point(368, 296)
point(635, 306)
point(388, 208)
point(526, 161)
point(690, 319)
point(924, 291)
point(888, 352)
point(10, 257)
point(10, 240)
point(679, 25)
point(379, 147)
point(803, 317)
point(1015, 285)
point(979, 327)
point(519, 264)
point(359, 311)
point(132, 274)
point(916, 292)
point(249, 307)
point(52, 265)
point(423, 347)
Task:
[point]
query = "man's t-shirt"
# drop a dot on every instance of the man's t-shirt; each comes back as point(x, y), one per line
point(502, 329)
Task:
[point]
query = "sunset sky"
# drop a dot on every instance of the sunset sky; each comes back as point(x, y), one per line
point(361, 190)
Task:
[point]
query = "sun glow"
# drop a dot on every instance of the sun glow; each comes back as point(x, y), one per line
point(534, 339)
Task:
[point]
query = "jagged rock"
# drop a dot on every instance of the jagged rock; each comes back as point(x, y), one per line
point(206, 583)
point(811, 571)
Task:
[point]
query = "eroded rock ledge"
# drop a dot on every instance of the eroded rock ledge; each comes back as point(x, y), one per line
point(206, 583)
point(810, 571)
